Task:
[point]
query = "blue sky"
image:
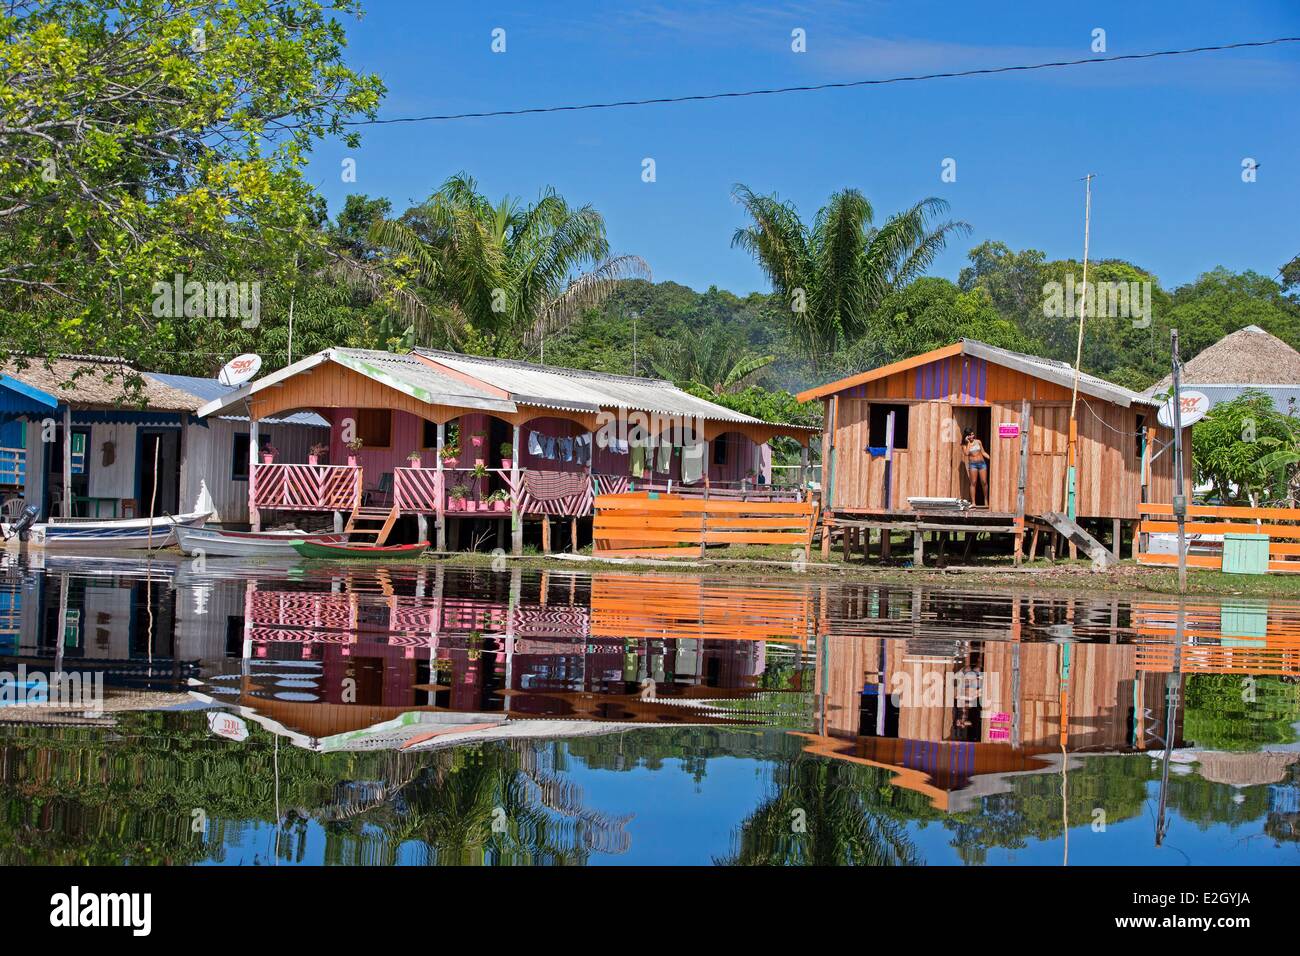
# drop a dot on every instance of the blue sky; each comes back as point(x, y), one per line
point(1166, 138)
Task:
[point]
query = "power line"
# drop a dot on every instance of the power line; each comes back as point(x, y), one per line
point(700, 97)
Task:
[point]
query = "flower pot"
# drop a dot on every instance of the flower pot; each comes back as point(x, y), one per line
point(453, 504)
point(412, 463)
point(313, 459)
point(479, 461)
point(352, 461)
point(498, 506)
point(471, 505)
point(268, 459)
point(476, 441)
point(450, 462)
point(507, 463)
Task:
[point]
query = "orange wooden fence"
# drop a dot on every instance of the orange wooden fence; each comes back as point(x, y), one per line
point(649, 524)
point(1206, 525)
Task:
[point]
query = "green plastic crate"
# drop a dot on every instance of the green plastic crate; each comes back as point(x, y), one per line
point(1245, 553)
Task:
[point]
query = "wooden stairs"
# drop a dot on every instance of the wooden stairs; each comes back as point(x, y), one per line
point(1100, 554)
point(367, 521)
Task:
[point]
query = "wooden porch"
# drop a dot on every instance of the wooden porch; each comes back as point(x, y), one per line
point(448, 494)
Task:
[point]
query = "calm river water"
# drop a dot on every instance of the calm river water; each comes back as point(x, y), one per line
point(416, 714)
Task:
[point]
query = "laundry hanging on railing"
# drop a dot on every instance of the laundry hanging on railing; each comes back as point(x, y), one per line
point(535, 446)
point(582, 449)
point(550, 485)
point(665, 458)
point(693, 462)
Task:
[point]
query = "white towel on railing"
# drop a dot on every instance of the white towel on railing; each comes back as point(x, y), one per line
point(692, 461)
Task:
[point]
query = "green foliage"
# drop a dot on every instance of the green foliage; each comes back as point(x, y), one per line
point(1247, 450)
point(1221, 715)
point(502, 275)
point(833, 274)
point(158, 139)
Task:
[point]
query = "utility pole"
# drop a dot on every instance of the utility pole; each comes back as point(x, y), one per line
point(635, 315)
point(1180, 491)
point(1070, 475)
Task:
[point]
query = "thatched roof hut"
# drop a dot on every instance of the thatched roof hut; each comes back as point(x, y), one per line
point(1245, 770)
point(1249, 356)
point(97, 381)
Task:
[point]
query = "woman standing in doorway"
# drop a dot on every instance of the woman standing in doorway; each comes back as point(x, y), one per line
point(977, 465)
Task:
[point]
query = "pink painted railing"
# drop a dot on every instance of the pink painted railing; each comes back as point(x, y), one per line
point(306, 487)
point(418, 490)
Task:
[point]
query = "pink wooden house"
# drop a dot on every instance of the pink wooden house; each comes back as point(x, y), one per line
point(477, 444)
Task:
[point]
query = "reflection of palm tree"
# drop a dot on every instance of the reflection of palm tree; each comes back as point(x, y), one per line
point(822, 813)
point(486, 805)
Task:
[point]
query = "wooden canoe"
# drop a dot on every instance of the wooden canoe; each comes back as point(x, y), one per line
point(316, 549)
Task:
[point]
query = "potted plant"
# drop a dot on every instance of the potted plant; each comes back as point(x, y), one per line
point(507, 454)
point(314, 453)
point(457, 500)
point(355, 445)
point(413, 459)
point(479, 471)
point(477, 438)
point(450, 456)
point(268, 453)
point(499, 499)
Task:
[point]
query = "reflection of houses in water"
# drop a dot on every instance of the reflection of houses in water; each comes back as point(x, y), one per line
point(356, 648)
point(943, 711)
point(97, 614)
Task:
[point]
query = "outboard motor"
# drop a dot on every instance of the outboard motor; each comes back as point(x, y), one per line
point(23, 526)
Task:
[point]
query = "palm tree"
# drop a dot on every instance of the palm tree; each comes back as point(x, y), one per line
point(505, 275)
point(716, 359)
point(834, 273)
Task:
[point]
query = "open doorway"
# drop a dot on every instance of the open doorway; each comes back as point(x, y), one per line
point(979, 420)
point(158, 472)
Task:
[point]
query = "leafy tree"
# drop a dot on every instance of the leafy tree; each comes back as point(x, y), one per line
point(1247, 450)
point(718, 360)
point(834, 273)
point(928, 314)
point(153, 139)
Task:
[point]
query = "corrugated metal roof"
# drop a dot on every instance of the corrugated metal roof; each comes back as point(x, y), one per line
point(1062, 373)
point(547, 386)
point(419, 379)
point(207, 389)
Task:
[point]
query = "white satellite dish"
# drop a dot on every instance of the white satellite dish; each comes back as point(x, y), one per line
point(1194, 406)
point(240, 369)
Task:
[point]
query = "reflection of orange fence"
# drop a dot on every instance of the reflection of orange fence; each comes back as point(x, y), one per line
point(635, 607)
point(1206, 525)
point(661, 525)
point(1235, 637)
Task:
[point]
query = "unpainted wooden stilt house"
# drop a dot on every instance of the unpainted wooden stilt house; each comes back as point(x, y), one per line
point(894, 433)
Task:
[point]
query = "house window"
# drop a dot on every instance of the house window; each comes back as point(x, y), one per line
point(877, 426)
point(719, 451)
point(1140, 436)
point(239, 455)
point(429, 435)
point(375, 427)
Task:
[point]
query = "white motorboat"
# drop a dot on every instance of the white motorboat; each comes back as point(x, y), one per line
point(111, 535)
point(249, 544)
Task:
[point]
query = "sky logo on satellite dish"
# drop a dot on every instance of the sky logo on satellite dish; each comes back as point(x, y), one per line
point(240, 369)
point(227, 725)
point(1194, 405)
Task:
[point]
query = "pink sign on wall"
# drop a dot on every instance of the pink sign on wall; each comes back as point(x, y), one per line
point(1009, 430)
